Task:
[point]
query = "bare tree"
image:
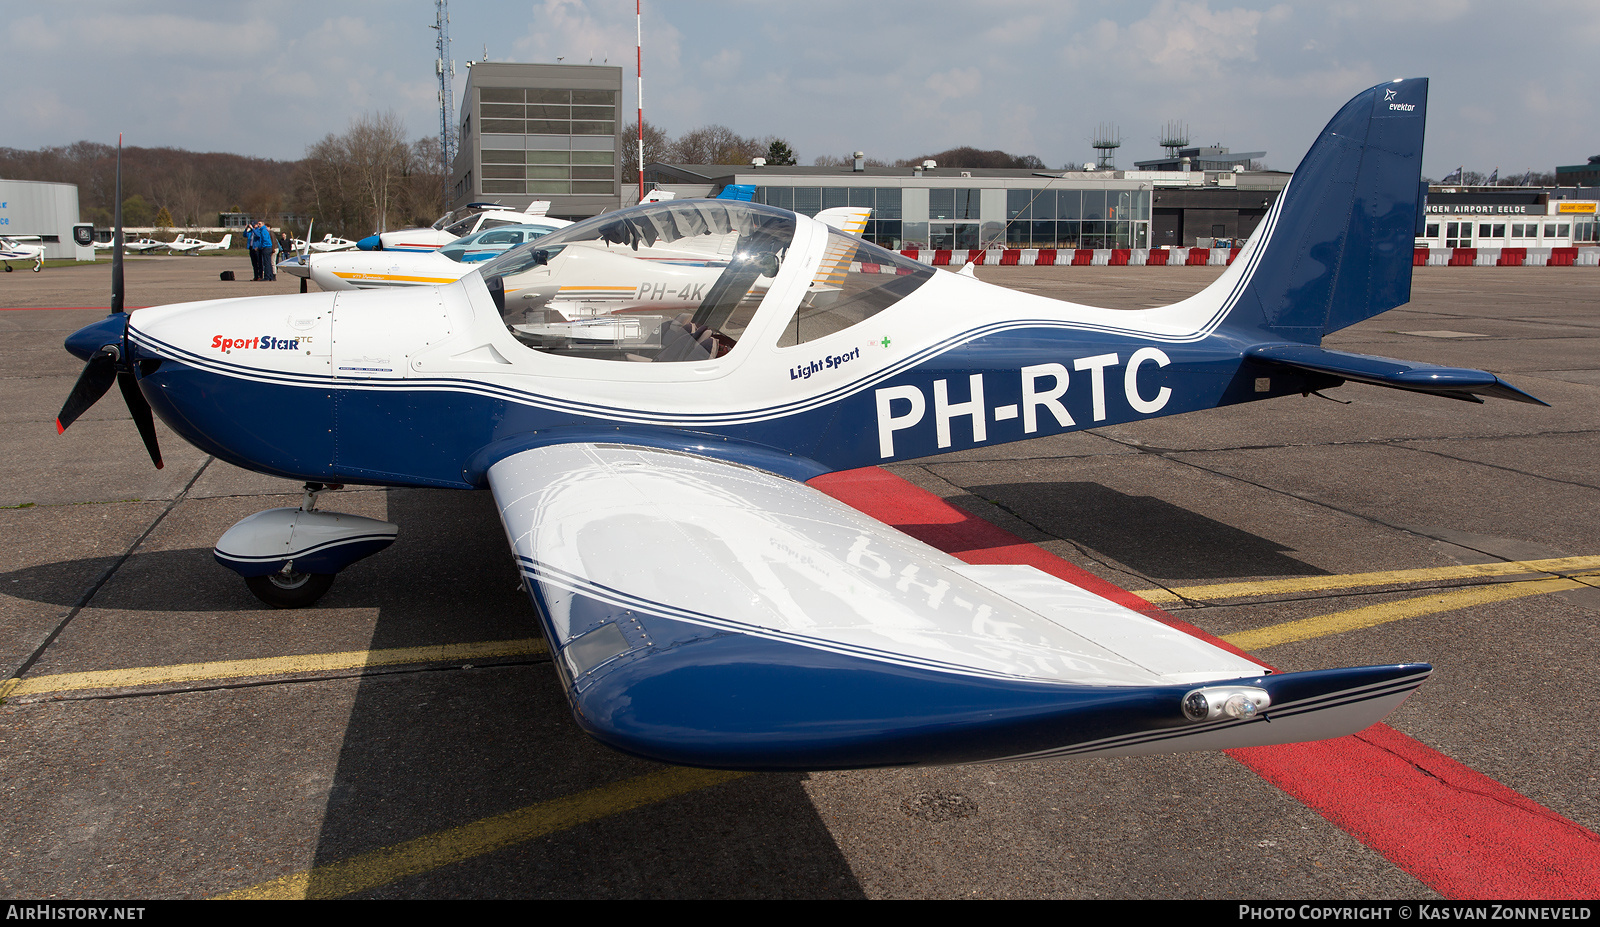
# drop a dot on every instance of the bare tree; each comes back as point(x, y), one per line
point(370, 179)
point(657, 147)
point(377, 153)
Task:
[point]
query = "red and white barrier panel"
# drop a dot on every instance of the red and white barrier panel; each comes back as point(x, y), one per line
point(1506, 257)
point(1076, 257)
point(1218, 257)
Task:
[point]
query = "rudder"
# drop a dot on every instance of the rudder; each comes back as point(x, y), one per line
point(1339, 249)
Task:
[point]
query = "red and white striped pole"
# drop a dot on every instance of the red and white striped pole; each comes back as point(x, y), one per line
point(639, 65)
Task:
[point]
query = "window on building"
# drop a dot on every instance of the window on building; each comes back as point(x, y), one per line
point(953, 203)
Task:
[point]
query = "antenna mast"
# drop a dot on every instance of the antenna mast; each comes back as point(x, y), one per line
point(1174, 138)
point(446, 69)
point(1107, 139)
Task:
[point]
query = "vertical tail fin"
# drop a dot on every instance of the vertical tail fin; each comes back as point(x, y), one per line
point(1338, 245)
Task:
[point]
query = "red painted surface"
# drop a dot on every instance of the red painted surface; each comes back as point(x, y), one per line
point(1199, 257)
point(941, 257)
point(1455, 830)
point(1158, 256)
point(1419, 257)
point(1010, 257)
point(1512, 257)
point(1082, 257)
point(1047, 257)
point(1463, 257)
point(1119, 257)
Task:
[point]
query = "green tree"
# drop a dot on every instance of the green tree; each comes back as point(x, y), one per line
point(779, 154)
point(163, 219)
point(136, 211)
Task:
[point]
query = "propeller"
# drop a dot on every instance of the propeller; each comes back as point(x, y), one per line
point(110, 361)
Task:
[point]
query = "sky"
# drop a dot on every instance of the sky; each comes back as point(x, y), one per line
point(896, 80)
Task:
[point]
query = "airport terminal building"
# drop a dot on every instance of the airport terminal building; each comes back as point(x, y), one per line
point(540, 132)
point(1508, 217)
point(955, 208)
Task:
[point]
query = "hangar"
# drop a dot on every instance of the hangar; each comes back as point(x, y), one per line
point(48, 210)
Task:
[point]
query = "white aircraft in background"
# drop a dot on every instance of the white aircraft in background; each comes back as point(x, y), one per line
point(191, 245)
point(141, 246)
point(329, 243)
point(13, 249)
point(473, 217)
point(369, 270)
point(366, 270)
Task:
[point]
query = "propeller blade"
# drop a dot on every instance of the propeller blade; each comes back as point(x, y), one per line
point(139, 407)
point(96, 378)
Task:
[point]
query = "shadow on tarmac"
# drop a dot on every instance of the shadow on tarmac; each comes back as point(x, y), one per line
point(424, 752)
point(1149, 535)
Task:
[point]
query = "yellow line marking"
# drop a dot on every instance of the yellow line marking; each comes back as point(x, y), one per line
point(269, 666)
point(1353, 580)
point(432, 851)
point(1373, 615)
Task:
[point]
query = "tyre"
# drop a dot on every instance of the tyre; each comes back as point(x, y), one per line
point(290, 589)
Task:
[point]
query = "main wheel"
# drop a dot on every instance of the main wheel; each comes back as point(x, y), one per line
point(290, 589)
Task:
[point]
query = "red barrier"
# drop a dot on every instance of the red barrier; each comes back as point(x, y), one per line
point(976, 256)
point(941, 257)
point(1011, 257)
point(1158, 257)
point(1419, 257)
point(1119, 257)
point(1562, 257)
point(910, 253)
point(1082, 257)
point(1047, 257)
point(1233, 254)
point(1463, 257)
point(1512, 257)
point(1198, 257)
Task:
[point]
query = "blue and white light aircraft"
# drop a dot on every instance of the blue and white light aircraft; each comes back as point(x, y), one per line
point(12, 248)
point(368, 270)
point(458, 223)
point(646, 392)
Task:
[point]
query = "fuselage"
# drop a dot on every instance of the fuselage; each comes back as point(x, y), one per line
point(428, 387)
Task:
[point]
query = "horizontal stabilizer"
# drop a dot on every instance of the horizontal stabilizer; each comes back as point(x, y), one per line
point(1453, 382)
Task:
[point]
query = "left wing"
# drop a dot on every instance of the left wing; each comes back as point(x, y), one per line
point(705, 613)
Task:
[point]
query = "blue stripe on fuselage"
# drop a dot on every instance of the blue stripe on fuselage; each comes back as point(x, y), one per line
point(425, 432)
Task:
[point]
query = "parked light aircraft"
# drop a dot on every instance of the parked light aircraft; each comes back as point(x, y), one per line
point(645, 393)
point(185, 245)
point(143, 245)
point(12, 248)
point(330, 243)
point(367, 270)
point(473, 217)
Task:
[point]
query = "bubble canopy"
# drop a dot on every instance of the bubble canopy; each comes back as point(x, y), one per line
point(682, 280)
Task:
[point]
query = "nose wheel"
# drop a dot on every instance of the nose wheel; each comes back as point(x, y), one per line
point(289, 588)
point(288, 557)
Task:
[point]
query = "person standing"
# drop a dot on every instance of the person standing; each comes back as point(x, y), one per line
point(269, 269)
point(252, 239)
